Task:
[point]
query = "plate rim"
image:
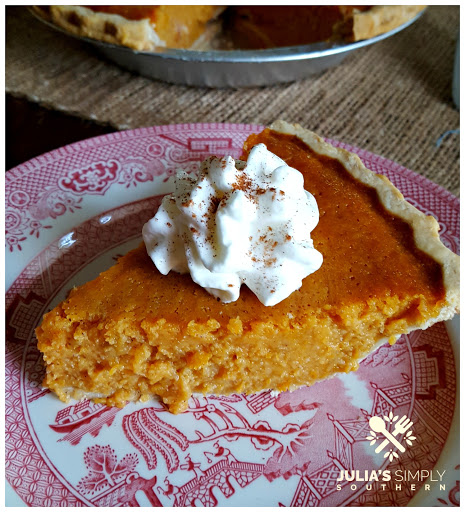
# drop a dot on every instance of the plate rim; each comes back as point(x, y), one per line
point(42, 159)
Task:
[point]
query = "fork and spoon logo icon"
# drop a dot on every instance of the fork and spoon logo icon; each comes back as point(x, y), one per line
point(402, 426)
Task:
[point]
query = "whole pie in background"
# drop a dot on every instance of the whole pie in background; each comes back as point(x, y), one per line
point(151, 27)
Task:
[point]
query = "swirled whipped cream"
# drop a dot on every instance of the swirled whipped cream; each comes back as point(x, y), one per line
point(238, 223)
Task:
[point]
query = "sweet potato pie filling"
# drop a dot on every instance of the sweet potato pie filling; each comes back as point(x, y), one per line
point(133, 333)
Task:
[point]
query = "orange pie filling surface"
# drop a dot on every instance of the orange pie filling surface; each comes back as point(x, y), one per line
point(133, 333)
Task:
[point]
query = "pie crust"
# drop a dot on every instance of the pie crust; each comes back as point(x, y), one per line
point(133, 333)
point(381, 19)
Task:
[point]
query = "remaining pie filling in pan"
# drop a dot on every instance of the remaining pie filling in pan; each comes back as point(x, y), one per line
point(133, 333)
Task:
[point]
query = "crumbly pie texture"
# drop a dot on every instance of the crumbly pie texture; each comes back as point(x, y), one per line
point(142, 35)
point(132, 333)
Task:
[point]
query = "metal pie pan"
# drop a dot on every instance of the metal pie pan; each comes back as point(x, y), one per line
point(231, 68)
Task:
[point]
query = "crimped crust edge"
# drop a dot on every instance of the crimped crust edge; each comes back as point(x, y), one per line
point(110, 28)
point(425, 227)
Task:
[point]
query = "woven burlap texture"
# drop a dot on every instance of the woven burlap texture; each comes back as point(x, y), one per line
point(392, 98)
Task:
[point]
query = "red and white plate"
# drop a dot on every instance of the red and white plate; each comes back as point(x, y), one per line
point(69, 214)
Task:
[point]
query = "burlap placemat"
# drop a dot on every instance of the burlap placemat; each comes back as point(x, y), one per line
point(392, 98)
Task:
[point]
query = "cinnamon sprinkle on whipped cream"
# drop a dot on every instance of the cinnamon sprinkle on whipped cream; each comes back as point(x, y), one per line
point(238, 223)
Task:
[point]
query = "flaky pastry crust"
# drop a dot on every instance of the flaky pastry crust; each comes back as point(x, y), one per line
point(110, 28)
point(381, 19)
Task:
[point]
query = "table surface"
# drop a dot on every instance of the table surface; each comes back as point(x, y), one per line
point(393, 98)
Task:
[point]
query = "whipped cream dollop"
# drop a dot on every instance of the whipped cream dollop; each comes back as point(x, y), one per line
point(238, 223)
